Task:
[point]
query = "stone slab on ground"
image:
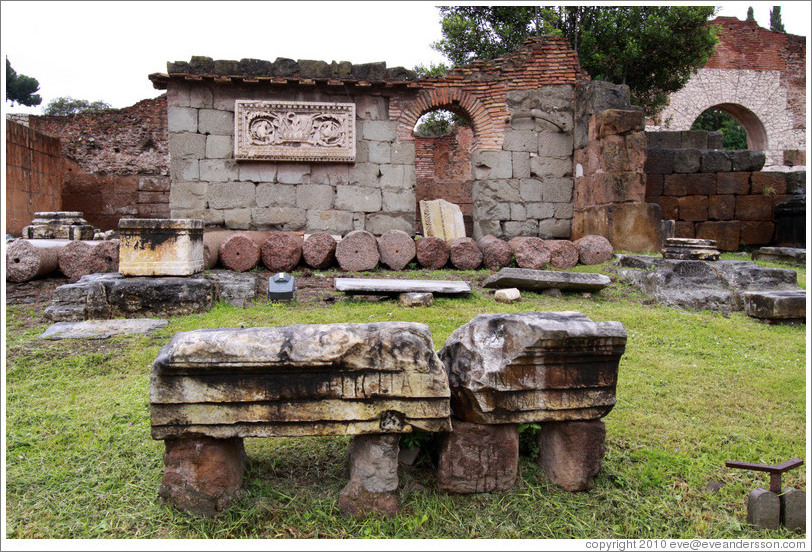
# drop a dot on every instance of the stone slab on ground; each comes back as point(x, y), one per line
point(529, 279)
point(791, 255)
point(776, 306)
point(102, 329)
point(380, 286)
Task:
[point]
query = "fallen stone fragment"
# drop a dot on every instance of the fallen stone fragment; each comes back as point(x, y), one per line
point(690, 249)
point(358, 251)
point(509, 295)
point(790, 255)
point(239, 252)
point(237, 288)
point(563, 254)
point(530, 252)
point(465, 254)
point(538, 280)
point(478, 458)
point(30, 259)
point(496, 253)
point(432, 252)
point(776, 306)
point(593, 249)
point(415, 299)
point(373, 481)
point(102, 329)
point(533, 367)
point(396, 248)
point(319, 250)
point(79, 258)
point(212, 240)
point(281, 251)
point(387, 286)
point(570, 453)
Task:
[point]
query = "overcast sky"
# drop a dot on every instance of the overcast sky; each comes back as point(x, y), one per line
point(105, 50)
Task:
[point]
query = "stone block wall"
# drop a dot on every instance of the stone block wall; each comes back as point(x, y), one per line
point(376, 192)
point(715, 194)
point(33, 175)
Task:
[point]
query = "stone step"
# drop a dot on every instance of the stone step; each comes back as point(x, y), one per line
point(377, 286)
point(775, 306)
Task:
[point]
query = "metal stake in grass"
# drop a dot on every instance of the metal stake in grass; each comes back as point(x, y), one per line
point(775, 471)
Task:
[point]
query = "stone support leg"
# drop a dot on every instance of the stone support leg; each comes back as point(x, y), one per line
point(202, 475)
point(478, 458)
point(373, 485)
point(763, 509)
point(570, 453)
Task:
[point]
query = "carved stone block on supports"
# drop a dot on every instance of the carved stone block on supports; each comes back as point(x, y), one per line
point(160, 247)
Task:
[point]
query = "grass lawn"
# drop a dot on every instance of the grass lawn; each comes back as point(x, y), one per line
point(694, 389)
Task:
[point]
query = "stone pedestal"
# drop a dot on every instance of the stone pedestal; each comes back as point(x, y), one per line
point(793, 509)
point(478, 458)
point(59, 225)
point(763, 509)
point(570, 453)
point(160, 247)
point(373, 485)
point(690, 249)
point(202, 475)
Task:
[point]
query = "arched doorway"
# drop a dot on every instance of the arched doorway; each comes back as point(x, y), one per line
point(749, 122)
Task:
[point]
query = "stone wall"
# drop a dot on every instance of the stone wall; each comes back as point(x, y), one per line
point(33, 175)
point(713, 193)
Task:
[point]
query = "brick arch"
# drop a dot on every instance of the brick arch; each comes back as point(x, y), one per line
point(457, 101)
point(749, 121)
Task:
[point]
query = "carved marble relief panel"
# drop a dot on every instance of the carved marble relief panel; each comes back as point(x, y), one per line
point(294, 131)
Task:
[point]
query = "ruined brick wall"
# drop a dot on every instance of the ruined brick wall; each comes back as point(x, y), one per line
point(715, 194)
point(116, 161)
point(758, 76)
point(33, 175)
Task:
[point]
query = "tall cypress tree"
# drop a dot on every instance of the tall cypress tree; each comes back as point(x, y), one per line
point(775, 20)
point(750, 16)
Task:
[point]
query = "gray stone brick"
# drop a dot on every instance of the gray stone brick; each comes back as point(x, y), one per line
point(664, 139)
point(714, 161)
point(224, 97)
point(314, 196)
point(238, 219)
point(554, 121)
point(257, 171)
point(181, 119)
point(210, 217)
point(380, 152)
point(184, 169)
point(370, 108)
point(274, 195)
point(218, 170)
point(185, 145)
point(382, 131)
point(177, 94)
point(521, 164)
point(361, 151)
point(200, 96)
point(520, 228)
point(219, 147)
point(329, 174)
point(493, 210)
point(398, 177)
point(404, 202)
point(694, 139)
point(518, 212)
point(378, 223)
point(540, 210)
point(359, 221)
point(292, 173)
point(555, 144)
point(687, 160)
point(287, 219)
point(188, 195)
point(555, 228)
point(189, 213)
point(485, 227)
point(530, 190)
point(520, 140)
point(403, 153)
point(556, 190)
point(493, 164)
point(356, 198)
point(214, 121)
point(496, 190)
point(231, 195)
point(332, 222)
point(364, 174)
point(563, 210)
point(542, 167)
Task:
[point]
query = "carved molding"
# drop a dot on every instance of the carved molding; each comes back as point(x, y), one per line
point(294, 131)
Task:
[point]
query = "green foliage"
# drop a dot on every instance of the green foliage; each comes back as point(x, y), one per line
point(652, 49)
point(21, 88)
point(435, 123)
point(433, 70)
point(528, 446)
point(775, 20)
point(65, 105)
point(734, 137)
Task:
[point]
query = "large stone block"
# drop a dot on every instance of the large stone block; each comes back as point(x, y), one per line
point(315, 196)
point(275, 195)
point(379, 152)
point(214, 121)
point(542, 167)
point(219, 147)
point(754, 207)
point(687, 160)
point(733, 183)
point(552, 228)
point(768, 183)
point(478, 458)
point(724, 233)
point(659, 161)
point(333, 379)
point(399, 177)
point(538, 280)
point(292, 173)
point(230, 195)
point(555, 144)
point(382, 131)
point(403, 153)
point(181, 119)
point(756, 232)
point(693, 208)
point(721, 207)
point(160, 247)
point(520, 140)
point(776, 305)
point(556, 190)
point(492, 165)
point(218, 170)
point(713, 161)
point(186, 145)
point(628, 226)
point(329, 221)
point(356, 198)
point(378, 223)
point(533, 367)
point(570, 453)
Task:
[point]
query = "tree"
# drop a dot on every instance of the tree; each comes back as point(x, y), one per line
point(66, 105)
point(775, 20)
point(750, 15)
point(21, 88)
point(734, 137)
point(652, 49)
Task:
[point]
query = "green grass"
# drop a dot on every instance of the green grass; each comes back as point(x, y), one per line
point(695, 389)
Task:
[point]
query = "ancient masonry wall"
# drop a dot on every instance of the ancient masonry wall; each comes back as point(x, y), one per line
point(115, 162)
point(33, 175)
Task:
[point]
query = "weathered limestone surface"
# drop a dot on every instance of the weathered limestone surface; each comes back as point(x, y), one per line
point(160, 247)
point(333, 379)
point(533, 367)
point(699, 285)
point(535, 280)
point(101, 329)
point(776, 306)
point(478, 458)
point(374, 286)
point(570, 453)
point(442, 219)
point(415, 299)
point(508, 295)
point(373, 481)
point(29, 259)
point(58, 225)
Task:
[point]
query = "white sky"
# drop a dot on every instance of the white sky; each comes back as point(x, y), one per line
point(105, 50)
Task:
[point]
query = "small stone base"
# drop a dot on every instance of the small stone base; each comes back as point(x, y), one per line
point(355, 501)
point(478, 458)
point(202, 475)
point(793, 509)
point(570, 453)
point(373, 485)
point(763, 509)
